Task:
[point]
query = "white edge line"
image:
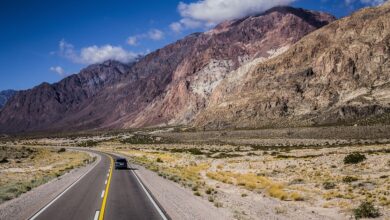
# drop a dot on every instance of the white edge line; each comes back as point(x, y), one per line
point(150, 197)
point(96, 215)
point(105, 183)
point(61, 194)
point(103, 193)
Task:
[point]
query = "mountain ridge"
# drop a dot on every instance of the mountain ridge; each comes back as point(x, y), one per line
point(337, 74)
point(167, 87)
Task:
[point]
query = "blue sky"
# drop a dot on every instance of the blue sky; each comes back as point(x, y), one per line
point(45, 40)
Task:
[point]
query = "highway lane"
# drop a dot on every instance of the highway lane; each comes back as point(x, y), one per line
point(124, 196)
point(127, 199)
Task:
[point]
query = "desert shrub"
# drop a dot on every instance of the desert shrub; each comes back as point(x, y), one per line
point(349, 179)
point(297, 181)
point(88, 143)
point(61, 150)
point(195, 151)
point(366, 210)
point(329, 185)
point(4, 160)
point(209, 191)
point(158, 160)
point(244, 195)
point(354, 158)
point(145, 139)
point(197, 193)
point(211, 199)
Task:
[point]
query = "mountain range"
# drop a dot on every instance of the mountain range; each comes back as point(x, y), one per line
point(283, 67)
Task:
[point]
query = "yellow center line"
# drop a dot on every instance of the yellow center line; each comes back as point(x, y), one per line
point(101, 216)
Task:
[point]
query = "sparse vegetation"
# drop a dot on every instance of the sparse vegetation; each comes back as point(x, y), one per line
point(329, 185)
point(354, 158)
point(88, 143)
point(349, 179)
point(29, 167)
point(366, 210)
point(302, 173)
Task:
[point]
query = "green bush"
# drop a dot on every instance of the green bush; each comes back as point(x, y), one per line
point(354, 158)
point(366, 210)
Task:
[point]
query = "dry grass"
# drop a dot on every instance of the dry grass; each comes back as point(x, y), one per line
point(36, 166)
point(255, 182)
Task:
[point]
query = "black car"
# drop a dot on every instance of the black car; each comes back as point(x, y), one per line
point(121, 163)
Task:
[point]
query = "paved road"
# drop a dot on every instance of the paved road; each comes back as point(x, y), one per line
point(120, 190)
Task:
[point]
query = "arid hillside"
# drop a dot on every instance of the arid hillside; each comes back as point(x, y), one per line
point(339, 74)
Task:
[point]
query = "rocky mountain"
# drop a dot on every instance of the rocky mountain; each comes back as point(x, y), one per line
point(45, 105)
point(5, 96)
point(338, 74)
point(170, 86)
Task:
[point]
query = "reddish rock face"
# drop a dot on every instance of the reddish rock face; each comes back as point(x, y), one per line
point(339, 74)
point(169, 86)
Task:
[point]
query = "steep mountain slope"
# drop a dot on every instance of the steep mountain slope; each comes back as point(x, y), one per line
point(42, 107)
point(338, 74)
point(5, 96)
point(169, 86)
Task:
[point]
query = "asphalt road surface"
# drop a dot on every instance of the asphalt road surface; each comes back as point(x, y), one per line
point(103, 193)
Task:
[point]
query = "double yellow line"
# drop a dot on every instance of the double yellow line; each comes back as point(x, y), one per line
point(101, 215)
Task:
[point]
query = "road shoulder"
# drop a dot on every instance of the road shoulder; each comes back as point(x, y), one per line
point(31, 202)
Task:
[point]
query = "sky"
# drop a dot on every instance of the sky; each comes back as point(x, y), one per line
point(47, 40)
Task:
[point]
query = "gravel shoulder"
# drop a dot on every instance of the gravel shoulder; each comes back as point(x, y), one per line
point(31, 202)
point(178, 202)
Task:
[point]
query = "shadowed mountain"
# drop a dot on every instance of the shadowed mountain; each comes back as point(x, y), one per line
point(5, 96)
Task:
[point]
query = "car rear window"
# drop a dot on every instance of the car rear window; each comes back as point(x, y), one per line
point(121, 160)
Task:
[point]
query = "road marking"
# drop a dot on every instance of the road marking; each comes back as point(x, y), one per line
point(103, 193)
point(150, 197)
point(96, 215)
point(109, 175)
point(105, 183)
point(61, 194)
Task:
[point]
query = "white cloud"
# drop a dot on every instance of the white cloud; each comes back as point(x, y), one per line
point(132, 41)
point(95, 54)
point(207, 13)
point(153, 34)
point(59, 70)
point(156, 34)
point(176, 27)
point(366, 2)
